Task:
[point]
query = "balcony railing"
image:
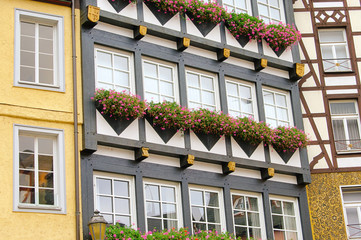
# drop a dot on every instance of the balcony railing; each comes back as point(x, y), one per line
point(337, 65)
point(354, 231)
point(348, 145)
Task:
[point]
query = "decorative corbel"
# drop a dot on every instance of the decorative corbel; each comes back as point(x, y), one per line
point(186, 161)
point(297, 71)
point(140, 32)
point(223, 54)
point(267, 173)
point(303, 179)
point(141, 153)
point(91, 16)
point(183, 43)
point(229, 167)
point(260, 64)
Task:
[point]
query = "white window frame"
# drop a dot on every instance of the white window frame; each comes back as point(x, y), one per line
point(355, 204)
point(336, 60)
point(115, 52)
point(269, 6)
point(288, 102)
point(203, 189)
point(253, 95)
point(215, 87)
point(296, 210)
point(58, 171)
point(236, 9)
point(162, 63)
point(178, 198)
point(260, 210)
point(344, 118)
point(58, 45)
point(131, 185)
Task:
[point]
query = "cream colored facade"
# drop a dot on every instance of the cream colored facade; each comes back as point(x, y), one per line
point(31, 106)
point(331, 83)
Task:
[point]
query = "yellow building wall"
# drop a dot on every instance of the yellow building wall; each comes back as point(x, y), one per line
point(325, 203)
point(35, 107)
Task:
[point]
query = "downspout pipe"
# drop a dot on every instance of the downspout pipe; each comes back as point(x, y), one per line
point(75, 115)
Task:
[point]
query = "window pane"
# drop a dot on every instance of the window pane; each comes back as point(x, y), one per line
point(241, 4)
point(104, 186)
point(352, 217)
point(253, 219)
point(152, 97)
point(331, 36)
point(290, 223)
point(194, 94)
point(192, 80)
point(121, 188)
point(211, 199)
point(26, 161)
point(104, 59)
point(240, 218)
point(215, 227)
point(252, 204)
point(46, 196)
point(26, 178)
point(327, 53)
point(165, 73)
point(123, 220)
point(268, 97)
point(255, 233)
point(245, 92)
point(46, 61)
point(279, 235)
point(169, 211)
point(121, 78)
point(263, 10)
point(26, 144)
point(45, 31)
point(46, 76)
point(154, 224)
point(121, 206)
point(27, 58)
point(232, 89)
point(46, 180)
point(274, 3)
point(152, 192)
point(46, 46)
point(196, 197)
point(213, 215)
point(233, 103)
point(270, 111)
point(207, 83)
point(104, 75)
point(169, 224)
point(198, 214)
point(45, 163)
point(27, 74)
point(105, 204)
point(338, 130)
point(292, 235)
point(353, 129)
point(27, 195)
point(341, 51)
point(277, 222)
point(151, 85)
point(281, 100)
point(108, 218)
point(238, 202)
point(168, 194)
point(27, 28)
point(241, 232)
point(351, 196)
point(275, 13)
point(153, 209)
point(27, 43)
point(288, 208)
point(208, 98)
point(343, 108)
point(166, 88)
point(45, 145)
point(199, 226)
point(247, 106)
point(282, 114)
point(121, 63)
point(150, 70)
point(276, 206)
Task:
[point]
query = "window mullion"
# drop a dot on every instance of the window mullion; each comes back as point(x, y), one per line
point(37, 70)
point(36, 170)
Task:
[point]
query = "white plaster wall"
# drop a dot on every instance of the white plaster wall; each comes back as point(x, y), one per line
point(162, 160)
point(201, 52)
point(160, 41)
point(115, 152)
point(343, 91)
point(152, 136)
point(349, 162)
point(114, 29)
point(276, 72)
point(286, 55)
point(232, 41)
point(310, 46)
point(310, 82)
point(304, 22)
point(314, 101)
point(339, 81)
point(218, 148)
point(321, 164)
point(327, 4)
point(129, 11)
point(355, 20)
point(298, 4)
point(313, 151)
point(317, 72)
point(308, 129)
point(353, 3)
point(207, 167)
point(303, 109)
point(214, 35)
point(240, 62)
point(283, 178)
point(295, 160)
point(131, 132)
point(322, 127)
point(173, 23)
point(357, 44)
point(242, 172)
point(257, 155)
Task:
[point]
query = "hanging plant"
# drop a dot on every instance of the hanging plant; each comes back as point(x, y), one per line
point(288, 139)
point(280, 36)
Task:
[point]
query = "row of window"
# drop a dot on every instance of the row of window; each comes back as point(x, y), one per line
point(114, 71)
point(115, 199)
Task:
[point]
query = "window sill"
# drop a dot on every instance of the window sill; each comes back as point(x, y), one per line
point(39, 209)
point(348, 152)
point(39, 86)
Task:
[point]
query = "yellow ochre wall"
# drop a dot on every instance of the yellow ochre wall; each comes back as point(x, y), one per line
point(325, 203)
point(34, 107)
